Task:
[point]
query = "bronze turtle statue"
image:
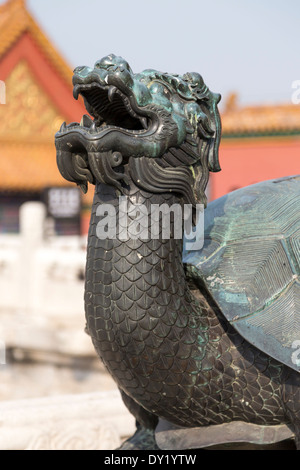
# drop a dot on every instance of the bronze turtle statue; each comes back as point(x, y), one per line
point(200, 343)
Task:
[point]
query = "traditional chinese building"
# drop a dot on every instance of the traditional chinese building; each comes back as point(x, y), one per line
point(38, 85)
point(259, 142)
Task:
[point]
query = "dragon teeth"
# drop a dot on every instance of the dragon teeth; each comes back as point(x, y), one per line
point(86, 121)
point(63, 127)
point(93, 128)
point(144, 122)
point(111, 92)
point(76, 92)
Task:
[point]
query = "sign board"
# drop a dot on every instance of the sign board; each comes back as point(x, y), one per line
point(63, 202)
point(64, 206)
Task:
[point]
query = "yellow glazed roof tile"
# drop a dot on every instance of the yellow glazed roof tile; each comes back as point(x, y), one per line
point(16, 20)
point(270, 118)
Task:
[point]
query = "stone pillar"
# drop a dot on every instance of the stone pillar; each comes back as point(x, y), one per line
point(32, 218)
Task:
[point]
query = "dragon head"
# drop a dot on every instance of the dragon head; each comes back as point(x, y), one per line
point(159, 130)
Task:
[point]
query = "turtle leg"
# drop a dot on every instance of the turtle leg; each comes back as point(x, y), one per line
point(146, 422)
point(296, 425)
point(297, 438)
point(291, 399)
point(142, 439)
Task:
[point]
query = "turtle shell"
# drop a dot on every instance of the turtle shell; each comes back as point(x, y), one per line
point(250, 263)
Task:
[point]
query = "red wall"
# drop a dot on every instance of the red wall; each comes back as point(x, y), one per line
point(248, 161)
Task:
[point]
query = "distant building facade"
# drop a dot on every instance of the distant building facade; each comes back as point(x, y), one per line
point(38, 98)
point(258, 143)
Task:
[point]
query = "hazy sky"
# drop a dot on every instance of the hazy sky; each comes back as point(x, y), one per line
point(247, 46)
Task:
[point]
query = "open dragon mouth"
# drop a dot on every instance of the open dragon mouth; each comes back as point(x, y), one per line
point(110, 109)
point(84, 149)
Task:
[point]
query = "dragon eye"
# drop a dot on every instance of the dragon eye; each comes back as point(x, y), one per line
point(157, 87)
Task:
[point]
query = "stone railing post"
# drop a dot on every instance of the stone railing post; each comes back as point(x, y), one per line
point(32, 218)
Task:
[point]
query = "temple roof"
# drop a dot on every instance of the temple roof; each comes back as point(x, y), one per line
point(39, 98)
point(268, 119)
point(15, 20)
